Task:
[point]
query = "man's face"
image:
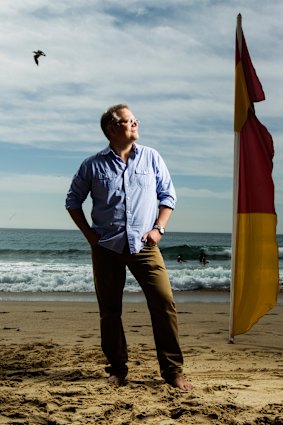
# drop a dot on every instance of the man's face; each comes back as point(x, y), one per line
point(126, 129)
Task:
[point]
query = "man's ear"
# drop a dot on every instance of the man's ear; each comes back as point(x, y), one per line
point(111, 129)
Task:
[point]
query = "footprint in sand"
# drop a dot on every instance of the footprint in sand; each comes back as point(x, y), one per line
point(86, 336)
point(6, 328)
point(43, 311)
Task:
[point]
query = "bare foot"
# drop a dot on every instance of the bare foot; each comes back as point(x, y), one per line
point(117, 381)
point(180, 382)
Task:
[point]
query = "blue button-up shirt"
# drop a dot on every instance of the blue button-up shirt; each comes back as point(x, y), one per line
point(125, 196)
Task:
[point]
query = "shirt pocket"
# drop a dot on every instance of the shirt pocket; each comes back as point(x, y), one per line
point(145, 178)
point(105, 182)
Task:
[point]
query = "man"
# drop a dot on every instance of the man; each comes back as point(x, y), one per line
point(125, 180)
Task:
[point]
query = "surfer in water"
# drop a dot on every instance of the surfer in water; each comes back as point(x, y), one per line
point(202, 258)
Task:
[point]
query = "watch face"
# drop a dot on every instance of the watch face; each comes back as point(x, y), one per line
point(160, 229)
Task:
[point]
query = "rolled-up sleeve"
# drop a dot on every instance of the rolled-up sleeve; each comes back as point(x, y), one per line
point(80, 187)
point(166, 193)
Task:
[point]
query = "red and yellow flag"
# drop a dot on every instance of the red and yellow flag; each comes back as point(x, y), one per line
point(255, 274)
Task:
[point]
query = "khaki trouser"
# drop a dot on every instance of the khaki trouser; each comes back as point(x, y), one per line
point(149, 270)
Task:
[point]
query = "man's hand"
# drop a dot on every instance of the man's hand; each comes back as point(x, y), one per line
point(79, 219)
point(151, 238)
point(92, 237)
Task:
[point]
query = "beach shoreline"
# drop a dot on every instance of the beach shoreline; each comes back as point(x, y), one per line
point(205, 296)
point(52, 367)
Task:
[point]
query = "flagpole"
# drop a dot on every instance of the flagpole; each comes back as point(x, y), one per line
point(239, 32)
point(234, 230)
point(235, 199)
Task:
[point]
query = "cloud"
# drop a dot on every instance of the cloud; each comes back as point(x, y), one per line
point(172, 62)
point(33, 183)
point(186, 192)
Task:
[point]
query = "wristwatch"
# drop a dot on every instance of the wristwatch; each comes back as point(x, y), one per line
point(159, 228)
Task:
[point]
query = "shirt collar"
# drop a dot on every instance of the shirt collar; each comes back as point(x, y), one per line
point(108, 149)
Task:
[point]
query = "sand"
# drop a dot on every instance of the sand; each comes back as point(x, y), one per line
point(52, 368)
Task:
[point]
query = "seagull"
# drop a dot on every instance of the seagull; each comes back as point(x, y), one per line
point(38, 53)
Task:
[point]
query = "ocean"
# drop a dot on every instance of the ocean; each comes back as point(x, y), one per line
point(58, 261)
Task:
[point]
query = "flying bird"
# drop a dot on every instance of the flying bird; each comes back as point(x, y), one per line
point(38, 53)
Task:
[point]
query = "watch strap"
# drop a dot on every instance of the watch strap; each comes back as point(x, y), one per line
point(159, 228)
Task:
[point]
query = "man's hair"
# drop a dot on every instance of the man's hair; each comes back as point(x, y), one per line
point(110, 116)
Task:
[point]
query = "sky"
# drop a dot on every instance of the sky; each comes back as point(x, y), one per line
point(172, 62)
